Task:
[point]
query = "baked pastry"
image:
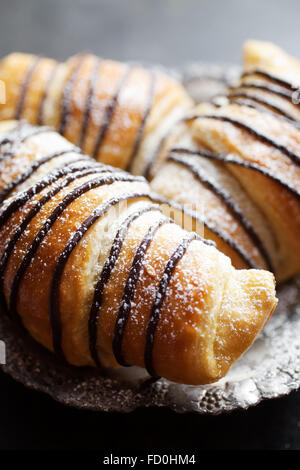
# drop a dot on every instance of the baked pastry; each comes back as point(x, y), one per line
point(250, 206)
point(244, 165)
point(121, 115)
point(96, 272)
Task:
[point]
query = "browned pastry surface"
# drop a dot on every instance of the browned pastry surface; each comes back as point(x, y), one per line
point(97, 273)
point(240, 173)
point(117, 113)
point(244, 165)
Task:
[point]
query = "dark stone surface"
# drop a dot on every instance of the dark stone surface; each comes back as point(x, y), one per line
point(174, 33)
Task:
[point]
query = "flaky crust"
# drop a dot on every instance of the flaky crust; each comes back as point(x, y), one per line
point(113, 111)
point(131, 118)
point(206, 313)
point(243, 166)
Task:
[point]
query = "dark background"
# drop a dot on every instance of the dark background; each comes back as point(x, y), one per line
point(174, 33)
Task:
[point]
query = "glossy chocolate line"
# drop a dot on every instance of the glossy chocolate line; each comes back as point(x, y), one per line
point(269, 76)
point(10, 245)
point(110, 111)
point(68, 199)
point(159, 300)
point(66, 97)
point(155, 154)
point(50, 178)
point(89, 101)
point(239, 162)
point(45, 93)
point(269, 88)
point(274, 108)
point(19, 202)
point(25, 86)
point(18, 136)
point(159, 147)
point(106, 272)
point(142, 126)
point(129, 290)
point(21, 132)
point(55, 317)
point(263, 138)
point(262, 109)
point(214, 229)
point(29, 172)
point(229, 203)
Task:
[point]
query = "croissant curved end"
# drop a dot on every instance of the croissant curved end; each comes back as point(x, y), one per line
point(248, 303)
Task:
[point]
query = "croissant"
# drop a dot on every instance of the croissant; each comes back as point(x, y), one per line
point(244, 164)
point(235, 165)
point(121, 115)
point(97, 273)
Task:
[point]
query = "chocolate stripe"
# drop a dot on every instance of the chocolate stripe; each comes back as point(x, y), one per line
point(245, 164)
point(105, 276)
point(25, 86)
point(89, 101)
point(67, 93)
point(63, 258)
point(129, 290)
point(274, 108)
point(263, 138)
point(222, 235)
point(19, 202)
point(69, 198)
point(159, 147)
point(159, 300)
point(269, 76)
point(141, 129)
point(19, 135)
point(228, 202)
point(269, 88)
point(45, 93)
point(26, 195)
point(34, 211)
point(109, 112)
point(29, 172)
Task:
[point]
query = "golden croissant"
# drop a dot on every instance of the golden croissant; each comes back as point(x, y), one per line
point(97, 273)
point(237, 158)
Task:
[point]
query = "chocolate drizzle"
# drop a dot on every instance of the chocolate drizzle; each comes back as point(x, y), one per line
point(89, 101)
point(45, 93)
point(68, 199)
point(226, 199)
point(270, 77)
point(18, 135)
point(29, 172)
point(109, 112)
point(105, 276)
point(275, 90)
point(159, 300)
point(26, 195)
point(67, 93)
point(222, 235)
point(158, 149)
point(140, 131)
point(61, 263)
point(263, 138)
point(21, 200)
point(247, 100)
point(129, 290)
point(239, 162)
point(32, 68)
